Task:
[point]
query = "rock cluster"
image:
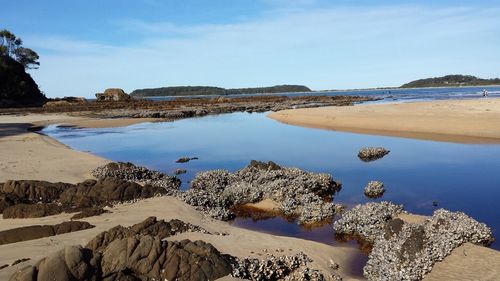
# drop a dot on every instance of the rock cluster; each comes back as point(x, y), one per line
point(408, 251)
point(130, 172)
point(113, 94)
point(367, 220)
point(276, 268)
point(372, 153)
point(23, 199)
point(297, 192)
point(39, 231)
point(140, 252)
point(151, 226)
point(374, 189)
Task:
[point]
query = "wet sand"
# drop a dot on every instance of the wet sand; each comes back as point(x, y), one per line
point(461, 121)
point(28, 155)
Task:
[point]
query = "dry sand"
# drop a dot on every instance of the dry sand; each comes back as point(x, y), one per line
point(26, 155)
point(464, 121)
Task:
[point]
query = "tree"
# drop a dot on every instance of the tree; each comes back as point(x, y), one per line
point(27, 57)
point(11, 46)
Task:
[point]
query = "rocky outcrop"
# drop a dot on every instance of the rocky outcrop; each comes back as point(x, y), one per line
point(22, 199)
point(92, 193)
point(130, 172)
point(409, 251)
point(372, 153)
point(38, 210)
point(367, 220)
point(151, 226)
point(147, 257)
point(297, 192)
point(374, 189)
point(17, 88)
point(40, 231)
point(185, 159)
point(113, 94)
point(66, 101)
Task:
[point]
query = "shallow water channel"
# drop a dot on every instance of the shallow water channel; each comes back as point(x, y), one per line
point(416, 173)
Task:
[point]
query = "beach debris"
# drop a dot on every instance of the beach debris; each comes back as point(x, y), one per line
point(185, 159)
point(180, 171)
point(374, 189)
point(130, 172)
point(295, 191)
point(408, 251)
point(368, 154)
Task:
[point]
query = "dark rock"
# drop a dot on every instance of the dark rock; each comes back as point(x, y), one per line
point(40, 231)
point(21, 211)
point(91, 193)
point(90, 212)
point(113, 94)
point(20, 261)
point(71, 263)
point(414, 244)
point(3, 266)
point(150, 257)
point(393, 227)
point(17, 88)
point(151, 226)
point(183, 160)
point(30, 191)
point(372, 153)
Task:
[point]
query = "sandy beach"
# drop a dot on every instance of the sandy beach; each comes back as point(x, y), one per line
point(462, 121)
point(29, 155)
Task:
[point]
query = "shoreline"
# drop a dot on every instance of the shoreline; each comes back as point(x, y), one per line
point(459, 121)
point(163, 208)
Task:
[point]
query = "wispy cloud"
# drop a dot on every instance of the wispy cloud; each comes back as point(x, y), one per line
point(323, 48)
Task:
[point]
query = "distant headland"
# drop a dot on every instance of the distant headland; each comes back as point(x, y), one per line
point(451, 81)
point(208, 90)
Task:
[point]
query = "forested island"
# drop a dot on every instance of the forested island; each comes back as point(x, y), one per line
point(451, 81)
point(207, 90)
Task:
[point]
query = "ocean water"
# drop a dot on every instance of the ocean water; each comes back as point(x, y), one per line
point(400, 95)
point(459, 177)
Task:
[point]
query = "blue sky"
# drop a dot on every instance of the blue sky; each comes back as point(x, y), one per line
point(87, 46)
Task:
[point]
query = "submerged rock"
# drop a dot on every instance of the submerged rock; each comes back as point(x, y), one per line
point(296, 192)
point(185, 159)
point(374, 189)
point(180, 171)
point(372, 153)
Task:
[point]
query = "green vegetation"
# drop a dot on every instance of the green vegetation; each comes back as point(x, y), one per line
point(11, 46)
point(206, 90)
point(451, 81)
